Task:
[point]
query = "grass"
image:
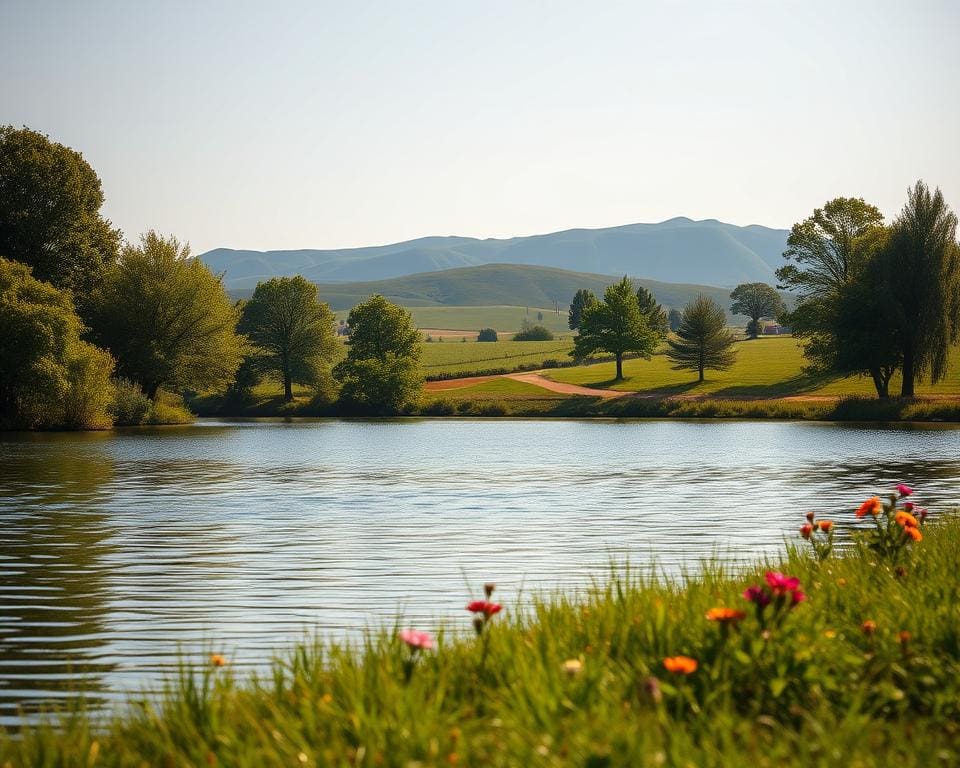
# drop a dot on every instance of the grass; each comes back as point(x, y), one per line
point(766, 367)
point(579, 679)
point(503, 319)
point(455, 357)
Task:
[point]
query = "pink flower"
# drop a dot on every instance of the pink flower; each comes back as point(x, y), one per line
point(798, 597)
point(756, 594)
point(908, 506)
point(904, 490)
point(780, 584)
point(421, 641)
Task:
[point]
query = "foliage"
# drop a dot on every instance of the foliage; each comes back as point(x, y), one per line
point(653, 313)
point(50, 201)
point(487, 334)
point(674, 318)
point(922, 274)
point(633, 669)
point(615, 325)
point(168, 408)
point(530, 332)
point(382, 371)
point(291, 330)
point(166, 319)
point(702, 341)
point(130, 405)
point(582, 299)
point(756, 301)
point(48, 377)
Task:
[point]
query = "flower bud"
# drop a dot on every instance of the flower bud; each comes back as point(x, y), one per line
point(868, 627)
point(809, 517)
point(478, 624)
point(488, 589)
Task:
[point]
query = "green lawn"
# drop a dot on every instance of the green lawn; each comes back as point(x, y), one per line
point(766, 367)
point(504, 319)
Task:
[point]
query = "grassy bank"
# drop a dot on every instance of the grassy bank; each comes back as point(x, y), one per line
point(865, 672)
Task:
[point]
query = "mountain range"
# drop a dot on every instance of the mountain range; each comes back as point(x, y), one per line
point(680, 250)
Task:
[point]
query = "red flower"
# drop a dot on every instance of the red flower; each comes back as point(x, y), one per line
point(486, 608)
point(756, 594)
point(904, 490)
point(780, 584)
point(805, 530)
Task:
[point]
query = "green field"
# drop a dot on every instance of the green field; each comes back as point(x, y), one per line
point(766, 367)
point(466, 357)
point(503, 319)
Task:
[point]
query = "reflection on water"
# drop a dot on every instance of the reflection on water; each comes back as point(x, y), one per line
point(120, 552)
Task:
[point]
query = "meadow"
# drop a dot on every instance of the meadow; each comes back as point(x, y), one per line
point(503, 319)
point(853, 660)
point(455, 357)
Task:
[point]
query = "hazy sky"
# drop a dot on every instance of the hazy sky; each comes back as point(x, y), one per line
point(310, 124)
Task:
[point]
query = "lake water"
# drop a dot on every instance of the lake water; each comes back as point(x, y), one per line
point(121, 551)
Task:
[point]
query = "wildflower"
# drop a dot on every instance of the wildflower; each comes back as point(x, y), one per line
point(486, 608)
point(905, 519)
point(488, 589)
point(871, 506)
point(725, 615)
point(797, 597)
point(756, 594)
point(908, 506)
point(825, 525)
point(218, 660)
point(868, 627)
point(418, 641)
point(805, 530)
point(829, 634)
point(809, 517)
point(780, 584)
point(913, 533)
point(572, 667)
point(683, 665)
point(904, 636)
point(904, 490)
point(841, 582)
point(923, 514)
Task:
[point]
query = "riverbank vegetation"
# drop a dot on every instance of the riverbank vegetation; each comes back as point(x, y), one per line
point(850, 658)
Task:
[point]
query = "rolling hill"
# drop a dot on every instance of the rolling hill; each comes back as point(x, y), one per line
point(500, 284)
point(680, 250)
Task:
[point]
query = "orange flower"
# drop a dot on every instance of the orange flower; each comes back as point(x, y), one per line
point(725, 615)
point(913, 533)
point(868, 627)
point(805, 530)
point(825, 525)
point(218, 660)
point(871, 506)
point(905, 519)
point(684, 665)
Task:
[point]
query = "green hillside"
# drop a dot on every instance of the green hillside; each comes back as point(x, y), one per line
point(499, 285)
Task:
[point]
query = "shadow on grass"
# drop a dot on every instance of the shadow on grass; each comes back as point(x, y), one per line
point(796, 385)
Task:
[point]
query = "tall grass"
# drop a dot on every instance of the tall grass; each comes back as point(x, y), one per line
point(865, 672)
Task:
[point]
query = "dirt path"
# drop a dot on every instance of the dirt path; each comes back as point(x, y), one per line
point(567, 389)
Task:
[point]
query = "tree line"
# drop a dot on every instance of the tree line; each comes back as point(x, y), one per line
point(94, 331)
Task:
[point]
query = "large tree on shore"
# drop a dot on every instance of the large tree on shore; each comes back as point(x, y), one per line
point(166, 318)
point(653, 313)
point(381, 373)
point(756, 301)
point(830, 255)
point(922, 274)
point(50, 220)
point(702, 340)
point(291, 330)
point(615, 325)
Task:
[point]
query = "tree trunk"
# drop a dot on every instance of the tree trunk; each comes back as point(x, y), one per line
point(619, 365)
point(881, 383)
point(906, 389)
point(287, 386)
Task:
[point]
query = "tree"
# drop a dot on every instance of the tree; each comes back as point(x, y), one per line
point(615, 325)
point(487, 334)
point(530, 332)
point(674, 318)
point(581, 300)
point(756, 301)
point(50, 200)
point(49, 377)
point(381, 373)
point(653, 312)
point(166, 319)
point(833, 250)
point(703, 340)
point(291, 330)
point(922, 272)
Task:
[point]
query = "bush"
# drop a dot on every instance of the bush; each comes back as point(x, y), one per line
point(438, 408)
point(130, 406)
point(529, 332)
point(493, 408)
point(466, 408)
point(89, 393)
point(169, 409)
point(487, 334)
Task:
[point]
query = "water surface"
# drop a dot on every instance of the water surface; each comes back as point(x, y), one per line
point(119, 551)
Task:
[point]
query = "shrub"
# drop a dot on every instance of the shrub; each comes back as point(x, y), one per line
point(530, 332)
point(89, 393)
point(466, 408)
point(493, 408)
point(487, 334)
point(438, 408)
point(130, 405)
point(169, 409)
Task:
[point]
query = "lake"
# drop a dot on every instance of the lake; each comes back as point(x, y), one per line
point(122, 551)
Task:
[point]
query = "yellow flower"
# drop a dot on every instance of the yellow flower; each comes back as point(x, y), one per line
point(573, 667)
point(218, 660)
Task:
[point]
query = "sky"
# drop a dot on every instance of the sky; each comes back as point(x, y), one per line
point(307, 124)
